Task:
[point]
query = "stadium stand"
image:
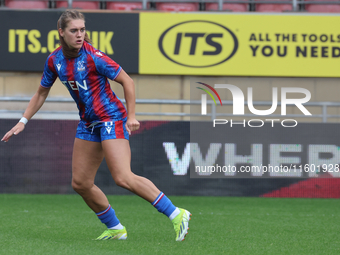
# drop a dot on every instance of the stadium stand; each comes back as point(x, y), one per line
point(27, 4)
point(241, 7)
point(79, 4)
point(315, 6)
point(324, 8)
point(124, 6)
point(177, 7)
point(272, 7)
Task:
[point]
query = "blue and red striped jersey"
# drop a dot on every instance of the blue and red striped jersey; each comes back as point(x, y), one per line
point(86, 78)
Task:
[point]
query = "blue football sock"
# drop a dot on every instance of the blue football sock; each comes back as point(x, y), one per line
point(164, 205)
point(108, 217)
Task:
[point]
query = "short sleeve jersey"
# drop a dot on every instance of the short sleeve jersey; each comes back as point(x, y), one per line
point(86, 78)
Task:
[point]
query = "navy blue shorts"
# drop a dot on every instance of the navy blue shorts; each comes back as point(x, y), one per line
point(103, 131)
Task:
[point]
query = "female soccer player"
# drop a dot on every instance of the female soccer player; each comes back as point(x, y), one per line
point(104, 127)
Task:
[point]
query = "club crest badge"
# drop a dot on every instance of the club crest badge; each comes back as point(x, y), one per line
point(81, 66)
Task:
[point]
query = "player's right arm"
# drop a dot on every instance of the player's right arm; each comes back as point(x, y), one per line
point(33, 106)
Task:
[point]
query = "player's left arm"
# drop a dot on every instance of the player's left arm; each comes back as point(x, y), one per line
point(129, 92)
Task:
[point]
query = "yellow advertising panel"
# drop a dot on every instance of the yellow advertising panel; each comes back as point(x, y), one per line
point(239, 45)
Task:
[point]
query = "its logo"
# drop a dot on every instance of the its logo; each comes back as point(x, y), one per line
point(98, 53)
point(58, 66)
point(198, 43)
point(204, 97)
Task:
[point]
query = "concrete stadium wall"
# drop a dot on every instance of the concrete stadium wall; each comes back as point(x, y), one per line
point(174, 87)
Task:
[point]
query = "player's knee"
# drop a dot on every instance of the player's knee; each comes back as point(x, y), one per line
point(81, 187)
point(122, 182)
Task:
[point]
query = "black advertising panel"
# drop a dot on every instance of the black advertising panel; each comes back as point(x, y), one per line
point(28, 37)
point(238, 150)
point(39, 160)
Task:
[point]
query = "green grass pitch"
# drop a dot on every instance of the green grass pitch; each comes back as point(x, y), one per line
point(63, 224)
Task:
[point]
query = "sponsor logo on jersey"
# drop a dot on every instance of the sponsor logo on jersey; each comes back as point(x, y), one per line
point(75, 85)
